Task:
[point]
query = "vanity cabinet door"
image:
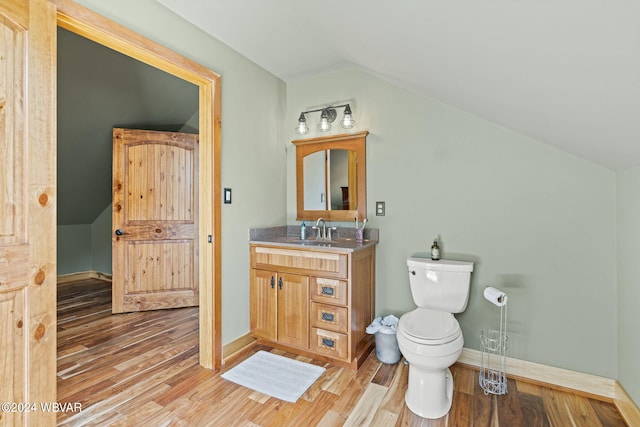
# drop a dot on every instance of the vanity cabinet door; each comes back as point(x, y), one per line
point(293, 310)
point(263, 305)
point(279, 307)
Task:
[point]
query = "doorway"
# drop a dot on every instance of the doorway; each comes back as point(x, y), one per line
point(83, 22)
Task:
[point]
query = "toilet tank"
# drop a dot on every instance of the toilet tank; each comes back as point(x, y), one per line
point(440, 285)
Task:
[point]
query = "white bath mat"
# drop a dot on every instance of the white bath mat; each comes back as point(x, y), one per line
point(275, 375)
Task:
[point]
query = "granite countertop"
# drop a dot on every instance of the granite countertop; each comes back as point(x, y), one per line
point(289, 236)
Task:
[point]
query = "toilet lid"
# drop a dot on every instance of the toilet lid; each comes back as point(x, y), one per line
point(429, 326)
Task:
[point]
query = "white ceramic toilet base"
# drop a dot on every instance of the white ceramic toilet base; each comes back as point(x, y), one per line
point(429, 393)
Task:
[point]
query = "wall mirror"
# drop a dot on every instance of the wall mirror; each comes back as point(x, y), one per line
point(331, 177)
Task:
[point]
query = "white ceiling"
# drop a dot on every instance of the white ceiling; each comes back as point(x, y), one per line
point(565, 72)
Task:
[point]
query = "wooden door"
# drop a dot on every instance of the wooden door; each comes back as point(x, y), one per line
point(27, 211)
point(293, 310)
point(263, 304)
point(155, 220)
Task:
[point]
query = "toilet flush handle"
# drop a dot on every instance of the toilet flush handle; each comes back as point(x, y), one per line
point(413, 272)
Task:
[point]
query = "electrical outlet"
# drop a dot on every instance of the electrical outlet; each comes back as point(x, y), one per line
point(379, 208)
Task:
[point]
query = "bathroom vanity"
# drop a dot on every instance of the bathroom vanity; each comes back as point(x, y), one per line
point(313, 297)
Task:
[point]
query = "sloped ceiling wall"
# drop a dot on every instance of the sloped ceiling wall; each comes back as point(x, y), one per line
point(99, 89)
point(563, 72)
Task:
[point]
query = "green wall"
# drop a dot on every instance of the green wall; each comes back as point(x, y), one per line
point(73, 249)
point(85, 247)
point(629, 281)
point(538, 223)
point(253, 157)
point(101, 242)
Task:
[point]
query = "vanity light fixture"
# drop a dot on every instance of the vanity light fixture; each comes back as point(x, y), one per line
point(327, 116)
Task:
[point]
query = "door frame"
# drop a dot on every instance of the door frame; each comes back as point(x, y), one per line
point(92, 26)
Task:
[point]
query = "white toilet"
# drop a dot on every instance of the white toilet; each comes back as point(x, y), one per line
point(429, 337)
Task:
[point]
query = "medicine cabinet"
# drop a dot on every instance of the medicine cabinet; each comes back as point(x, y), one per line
point(331, 177)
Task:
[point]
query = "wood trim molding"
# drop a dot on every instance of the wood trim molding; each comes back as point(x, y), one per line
point(90, 25)
point(63, 279)
point(235, 348)
point(86, 23)
point(563, 379)
point(627, 407)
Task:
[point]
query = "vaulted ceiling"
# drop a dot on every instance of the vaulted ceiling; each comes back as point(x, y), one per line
point(565, 72)
point(99, 89)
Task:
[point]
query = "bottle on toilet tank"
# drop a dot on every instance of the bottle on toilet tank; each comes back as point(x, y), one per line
point(435, 250)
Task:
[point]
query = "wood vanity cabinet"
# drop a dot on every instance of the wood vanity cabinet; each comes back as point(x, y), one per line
point(280, 306)
point(315, 302)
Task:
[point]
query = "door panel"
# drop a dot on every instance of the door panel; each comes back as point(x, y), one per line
point(12, 133)
point(27, 209)
point(263, 304)
point(155, 194)
point(158, 181)
point(293, 310)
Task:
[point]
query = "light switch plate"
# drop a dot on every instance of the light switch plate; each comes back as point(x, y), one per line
point(380, 209)
point(227, 196)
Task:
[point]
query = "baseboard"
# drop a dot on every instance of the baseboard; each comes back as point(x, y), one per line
point(627, 407)
point(587, 384)
point(564, 379)
point(234, 348)
point(83, 275)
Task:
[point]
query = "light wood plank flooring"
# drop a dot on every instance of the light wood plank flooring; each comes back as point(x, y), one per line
point(142, 369)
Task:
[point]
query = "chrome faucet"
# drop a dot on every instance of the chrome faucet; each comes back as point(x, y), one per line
point(321, 233)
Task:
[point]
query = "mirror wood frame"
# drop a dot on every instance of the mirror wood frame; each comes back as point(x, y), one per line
point(353, 142)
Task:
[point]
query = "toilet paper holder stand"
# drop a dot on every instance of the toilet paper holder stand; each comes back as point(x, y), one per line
point(493, 375)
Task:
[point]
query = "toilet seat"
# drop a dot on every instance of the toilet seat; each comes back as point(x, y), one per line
point(429, 327)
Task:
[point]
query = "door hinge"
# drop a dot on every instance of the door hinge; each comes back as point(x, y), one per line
point(210, 238)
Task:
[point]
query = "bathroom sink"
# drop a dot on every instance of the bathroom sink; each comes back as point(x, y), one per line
point(311, 242)
point(318, 242)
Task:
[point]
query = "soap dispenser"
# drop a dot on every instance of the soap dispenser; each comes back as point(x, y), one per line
point(303, 231)
point(435, 250)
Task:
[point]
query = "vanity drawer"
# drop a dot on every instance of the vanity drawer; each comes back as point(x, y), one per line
point(328, 343)
point(329, 317)
point(329, 290)
point(332, 264)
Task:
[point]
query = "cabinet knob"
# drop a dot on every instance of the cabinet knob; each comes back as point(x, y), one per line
point(273, 282)
point(280, 283)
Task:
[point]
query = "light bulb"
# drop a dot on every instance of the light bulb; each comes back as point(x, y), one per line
point(324, 125)
point(302, 127)
point(347, 121)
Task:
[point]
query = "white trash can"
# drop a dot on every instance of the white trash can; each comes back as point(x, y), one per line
point(385, 331)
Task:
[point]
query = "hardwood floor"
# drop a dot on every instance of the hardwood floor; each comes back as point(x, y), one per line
point(142, 368)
